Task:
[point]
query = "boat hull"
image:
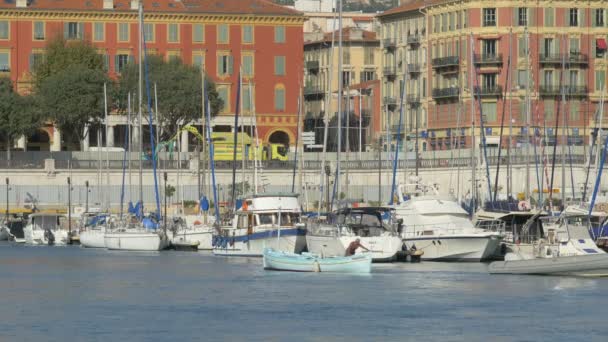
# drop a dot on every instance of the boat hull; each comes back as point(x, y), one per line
point(37, 237)
point(280, 261)
point(470, 247)
point(93, 238)
point(253, 245)
point(382, 248)
point(578, 265)
point(5, 234)
point(135, 241)
point(201, 235)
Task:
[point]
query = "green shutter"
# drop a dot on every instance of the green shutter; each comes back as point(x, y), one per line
point(556, 48)
point(66, 31)
point(116, 66)
point(230, 65)
point(581, 17)
point(80, 31)
point(521, 47)
point(531, 17)
point(515, 16)
point(594, 16)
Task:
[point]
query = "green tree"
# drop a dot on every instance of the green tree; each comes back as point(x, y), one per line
point(73, 99)
point(178, 89)
point(19, 115)
point(61, 54)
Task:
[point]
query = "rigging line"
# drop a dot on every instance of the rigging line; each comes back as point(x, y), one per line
point(396, 160)
point(235, 144)
point(561, 79)
point(596, 130)
point(502, 126)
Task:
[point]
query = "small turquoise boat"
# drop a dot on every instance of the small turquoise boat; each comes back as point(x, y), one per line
point(283, 261)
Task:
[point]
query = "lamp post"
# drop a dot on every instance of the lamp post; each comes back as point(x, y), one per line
point(7, 190)
point(86, 197)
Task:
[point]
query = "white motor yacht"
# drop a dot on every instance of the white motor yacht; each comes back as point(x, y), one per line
point(264, 221)
point(374, 227)
point(438, 226)
point(46, 229)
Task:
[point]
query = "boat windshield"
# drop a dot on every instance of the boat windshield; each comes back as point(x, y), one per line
point(581, 220)
point(287, 219)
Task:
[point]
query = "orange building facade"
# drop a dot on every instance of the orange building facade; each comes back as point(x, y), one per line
point(261, 40)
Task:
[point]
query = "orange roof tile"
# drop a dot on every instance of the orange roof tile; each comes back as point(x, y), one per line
point(412, 5)
point(262, 7)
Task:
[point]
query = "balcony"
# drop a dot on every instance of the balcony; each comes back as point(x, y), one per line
point(488, 59)
point(413, 100)
point(495, 90)
point(572, 58)
point(414, 68)
point(552, 90)
point(445, 62)
point(445, 93)
point(390, 71)
point(313, 91)
point(389, 43)
point(413, 40)
point(390, 101)
point(312, 66)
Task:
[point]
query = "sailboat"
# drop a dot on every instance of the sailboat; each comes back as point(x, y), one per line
point(140, 233)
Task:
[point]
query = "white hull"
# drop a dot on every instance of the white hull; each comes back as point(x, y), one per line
point(465, 247)
point(93, 238)
point(135, 241)
point(279, 261)
point(579, 265)
point(255, 248)
point(37, 237)
point(5, 233)
point(201, 235)
point(382, 248)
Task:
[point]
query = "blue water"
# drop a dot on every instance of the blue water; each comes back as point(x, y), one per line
point(75, 294)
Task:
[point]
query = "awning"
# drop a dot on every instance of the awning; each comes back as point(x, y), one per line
point(601, 44)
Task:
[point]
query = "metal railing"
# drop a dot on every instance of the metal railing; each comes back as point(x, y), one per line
point(571, 90)
point(413, 39)
point(312, 65)
point(495, 90)
point(495, 58)
point(390, 71)
point(413, 68)
point(558, 58)
point(389, 43)
point(441, 62)
point(313, 90)
point(441, 93)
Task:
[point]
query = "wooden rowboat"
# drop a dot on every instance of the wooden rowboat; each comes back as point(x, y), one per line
point(283, 261)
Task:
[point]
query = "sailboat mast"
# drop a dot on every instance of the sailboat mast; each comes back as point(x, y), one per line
point(564, 134)
point(510, 92)
point(527, 104)
point(256, 144)
point(140, 104)
point(203, 189)
point(105, 109)
point(340, 94)
point(473, 138)
point(235, 142)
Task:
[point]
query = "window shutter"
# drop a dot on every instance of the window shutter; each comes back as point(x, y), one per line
point(581, 17)
point(31, 62)
point(556, 46)
point(116, 66)
point(594, 16)
point(106, 62)
point(66, 31)
point(230, 65)
point(515, 16)
point(521, 50)
point(80, 34)
point(531, 16)
point(131, 59)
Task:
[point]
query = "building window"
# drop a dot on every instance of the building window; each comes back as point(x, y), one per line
point(600, 79)
point(522, 16)
point(599, 52)
point(5, 64)
point(435, 23)
point(346, 56)
point(73, 30)
point(368, 58)
point(36, 58)
point(573, 78)
point(224, 65)
point(489, 17)
point(489, 47)
point(198, 59)
point(575, 48)
point(548, 46)
point(123, 32)
point(223, 93)
point(173, 56)
point(173, 33)
point(489, 111)
point(548, 78)
point(279, 34)
point(38, 30)
point(4, 29)
point(279, 98)
point(346, 76)
point(198, 33)
point(247, 97)
point(574, 111)
point(149, 32)
point(522, 50)
point(488, 81)
point(549, 110)
point(99, 32)
point(444, 22)
point(574, 17)
point(222, 34)
point(248, 34)
point(368, 75)
point(522, 78)
point(247, 65)
point(121, 61)
point(549, 16)
point(598, 17)
point(279, 65)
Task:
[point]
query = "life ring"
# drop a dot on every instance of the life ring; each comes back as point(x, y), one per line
point(197, 223)
point(523, 205)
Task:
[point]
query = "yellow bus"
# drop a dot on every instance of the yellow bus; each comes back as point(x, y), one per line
point(223, 148)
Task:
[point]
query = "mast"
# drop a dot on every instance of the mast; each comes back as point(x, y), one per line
point(527, 104)
point(203, 147)
point(256, 142)
point(129, 142)
point(340, 95)
point(510, 85)
point(105, 109)
point(140, 104)
point(473, 138)
point(396, 160)
point(561, 76)
point(564, 132)
point(295, 162)
point(347, 140)
point(243, 156)
point(235, 142)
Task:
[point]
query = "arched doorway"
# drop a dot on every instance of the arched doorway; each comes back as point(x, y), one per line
point(39, 141)
point(279, 137)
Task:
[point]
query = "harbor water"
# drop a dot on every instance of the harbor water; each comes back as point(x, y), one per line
point(76, 294)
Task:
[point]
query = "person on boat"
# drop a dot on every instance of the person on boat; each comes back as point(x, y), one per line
point(353, 247)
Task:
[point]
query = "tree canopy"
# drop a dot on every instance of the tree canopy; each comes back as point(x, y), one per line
point(62, 54)
point(19, 115)
point(178, 89)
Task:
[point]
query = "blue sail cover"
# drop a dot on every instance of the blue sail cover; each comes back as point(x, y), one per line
point(149, 223)
point(204, 203)
point(238, 204)
point(135, 209)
